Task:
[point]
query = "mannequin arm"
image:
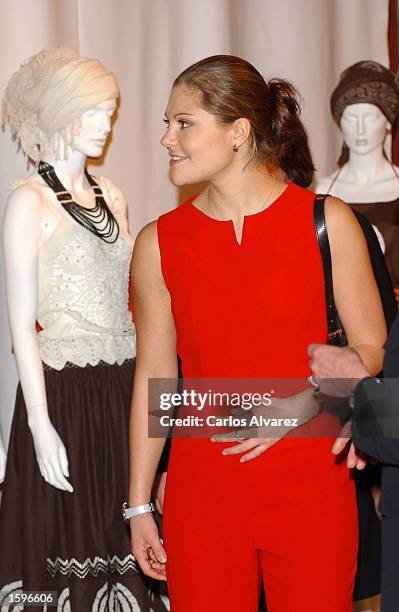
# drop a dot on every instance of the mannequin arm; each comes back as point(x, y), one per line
point(3, 459)
point(21, 236)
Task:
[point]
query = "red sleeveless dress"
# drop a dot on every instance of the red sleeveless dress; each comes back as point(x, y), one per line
point(250, 310)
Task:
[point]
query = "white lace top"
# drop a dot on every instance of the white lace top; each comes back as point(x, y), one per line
point(84, 291)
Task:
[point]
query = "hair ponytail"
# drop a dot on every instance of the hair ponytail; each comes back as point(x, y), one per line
point(288, 133)
point(231, 88)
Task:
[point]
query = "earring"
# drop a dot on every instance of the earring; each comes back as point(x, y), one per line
point(235, 148)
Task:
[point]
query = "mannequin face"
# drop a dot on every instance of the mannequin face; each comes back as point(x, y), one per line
point(94, 127)
point(364, 127)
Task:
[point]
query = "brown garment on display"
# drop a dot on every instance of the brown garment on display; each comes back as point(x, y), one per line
point(75, 543)
point(385, 217)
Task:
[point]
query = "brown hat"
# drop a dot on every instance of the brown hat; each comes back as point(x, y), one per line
point(370, 82)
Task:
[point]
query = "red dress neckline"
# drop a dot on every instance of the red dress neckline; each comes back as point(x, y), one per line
point(191, 205)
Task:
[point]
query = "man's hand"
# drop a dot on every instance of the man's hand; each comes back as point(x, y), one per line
point(336, 370)
point(355, 458)
point(376, 491)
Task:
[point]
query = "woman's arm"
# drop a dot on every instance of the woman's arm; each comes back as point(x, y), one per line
point(156, 358)
point(355, 289)
point(21, 237)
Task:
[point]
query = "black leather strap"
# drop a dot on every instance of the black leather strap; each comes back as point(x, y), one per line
point(336, 332)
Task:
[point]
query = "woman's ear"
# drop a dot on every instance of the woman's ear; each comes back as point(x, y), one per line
point(241, 131)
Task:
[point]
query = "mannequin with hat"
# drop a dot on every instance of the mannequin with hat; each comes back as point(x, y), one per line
point(67, 256)
point(364, 105)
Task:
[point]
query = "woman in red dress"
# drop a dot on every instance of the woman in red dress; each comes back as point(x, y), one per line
point(232, 282)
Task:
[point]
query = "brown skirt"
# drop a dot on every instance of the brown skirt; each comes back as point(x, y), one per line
point(75, 544)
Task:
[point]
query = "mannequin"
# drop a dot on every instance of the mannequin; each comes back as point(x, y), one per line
point(365, 104)
point(67, 267)
point(367, 176)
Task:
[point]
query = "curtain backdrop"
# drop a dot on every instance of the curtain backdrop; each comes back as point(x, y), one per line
point(146, 43)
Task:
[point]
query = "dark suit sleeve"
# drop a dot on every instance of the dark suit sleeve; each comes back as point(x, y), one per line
point(375, 426)
point(386, 451)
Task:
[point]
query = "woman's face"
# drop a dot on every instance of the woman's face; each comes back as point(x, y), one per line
point(200, 148)
point(94, 127)
point(364, 127)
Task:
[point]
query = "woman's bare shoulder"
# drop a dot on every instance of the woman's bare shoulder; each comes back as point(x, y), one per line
point(147, 237)
point(337, 212)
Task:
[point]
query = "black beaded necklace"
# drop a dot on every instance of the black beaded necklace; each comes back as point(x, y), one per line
point(99, 220)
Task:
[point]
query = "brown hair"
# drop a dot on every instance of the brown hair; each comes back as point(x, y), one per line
point(232, 88)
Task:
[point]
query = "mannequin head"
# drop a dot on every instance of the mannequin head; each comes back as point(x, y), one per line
point(366, 100)
point(47, 99)
point(88, 134)
point(363, 127)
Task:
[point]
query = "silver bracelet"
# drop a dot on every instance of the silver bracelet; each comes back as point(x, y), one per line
point(127, 512)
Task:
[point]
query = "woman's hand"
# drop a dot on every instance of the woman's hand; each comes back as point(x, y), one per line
point(287, 414)
point(147, 547)
point(51, 453)
point(158, 491)
point(256, 446)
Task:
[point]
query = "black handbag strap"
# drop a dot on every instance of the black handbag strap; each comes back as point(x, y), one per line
point(336, 332)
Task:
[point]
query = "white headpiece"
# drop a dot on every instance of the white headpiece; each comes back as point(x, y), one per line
point(49, 92)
